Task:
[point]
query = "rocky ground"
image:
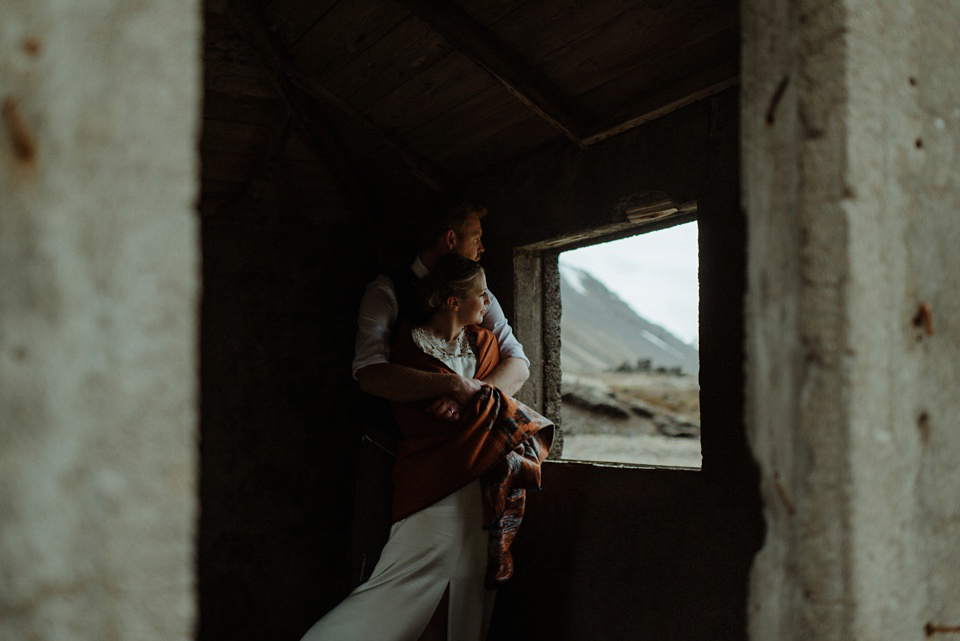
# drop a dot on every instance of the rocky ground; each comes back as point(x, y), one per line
point(640, 417)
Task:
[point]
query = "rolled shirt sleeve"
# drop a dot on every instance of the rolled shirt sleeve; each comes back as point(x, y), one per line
point(378, 313)
point(496, 322)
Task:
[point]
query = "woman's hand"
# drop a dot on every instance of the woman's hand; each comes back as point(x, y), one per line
point(445, 408)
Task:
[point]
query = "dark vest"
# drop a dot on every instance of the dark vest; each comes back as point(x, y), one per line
point(374, 489)
point(405, 288)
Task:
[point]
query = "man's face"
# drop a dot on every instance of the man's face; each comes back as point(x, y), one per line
point(468, 242)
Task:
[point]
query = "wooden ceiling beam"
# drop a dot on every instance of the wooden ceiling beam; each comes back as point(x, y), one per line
point(249, 24)
point(297, 91)
point(653, 108)
point(520, 78)
point(721, 76)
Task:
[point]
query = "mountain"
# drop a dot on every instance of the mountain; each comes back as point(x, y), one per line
point(600, 332)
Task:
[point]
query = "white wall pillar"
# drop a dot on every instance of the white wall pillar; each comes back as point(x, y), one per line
point(99, 279)
point(851, 133)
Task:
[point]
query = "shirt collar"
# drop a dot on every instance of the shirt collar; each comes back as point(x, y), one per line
point(418, 268)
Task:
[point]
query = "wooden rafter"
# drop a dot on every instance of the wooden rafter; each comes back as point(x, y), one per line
point(657, 105)
point(519, 77)
point(299, 92)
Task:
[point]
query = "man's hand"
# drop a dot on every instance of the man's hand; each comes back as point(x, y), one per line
point(448, 406)
point(465, 389)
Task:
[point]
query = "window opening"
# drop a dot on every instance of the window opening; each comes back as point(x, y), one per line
point(629, 353)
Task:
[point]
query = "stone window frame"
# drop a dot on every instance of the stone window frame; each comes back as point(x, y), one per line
point(537, 306)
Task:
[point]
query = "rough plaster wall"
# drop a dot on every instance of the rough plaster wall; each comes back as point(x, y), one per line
point(98, 298)
point(851, 125)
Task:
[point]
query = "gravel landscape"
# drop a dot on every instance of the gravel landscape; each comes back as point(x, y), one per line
point(639, 418)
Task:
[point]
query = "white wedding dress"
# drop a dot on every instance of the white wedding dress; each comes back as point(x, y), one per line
point(439, 546)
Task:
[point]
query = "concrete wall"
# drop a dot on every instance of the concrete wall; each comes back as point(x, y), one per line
point(851, 126)
point(98, 308)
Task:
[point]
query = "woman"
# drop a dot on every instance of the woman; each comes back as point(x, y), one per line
point(459, 487)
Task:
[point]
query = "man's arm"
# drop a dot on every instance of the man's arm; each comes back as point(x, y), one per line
point(405, 384)
point(379, 377)
point(514, 367)
point(509, 375)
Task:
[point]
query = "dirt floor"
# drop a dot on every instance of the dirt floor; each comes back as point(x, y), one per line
point(639, 418)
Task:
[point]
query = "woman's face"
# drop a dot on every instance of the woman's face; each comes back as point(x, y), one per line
point(475, 303)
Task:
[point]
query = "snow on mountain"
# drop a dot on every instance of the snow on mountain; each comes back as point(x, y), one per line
point(600, 332)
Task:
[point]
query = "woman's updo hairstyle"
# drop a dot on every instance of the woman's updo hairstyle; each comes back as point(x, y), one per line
point(453, 275)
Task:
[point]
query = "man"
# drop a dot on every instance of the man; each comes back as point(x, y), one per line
point(459, 231)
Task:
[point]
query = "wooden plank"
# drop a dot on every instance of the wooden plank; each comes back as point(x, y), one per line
point(228, 167)
point(668, 68)
point(277, 207)
point(238, 138)
point(633, 39)
point(694, 73)
point(362, 140)
point(370, 64)
point(402, 66)
point(525, 82)
point(225, 107)
point(260, 139)
point(302, 105)
point(309, 169)
point(292, 191)
point(298, 91)
point(306, 99)
point(347, 30)
point(222, 169)
point(219, 188)
point(215, 7)
point(298, 147)
point(494, 125)
point(438, 89)
point(668, 100)
point(487, 12)
point(556, 24)
point(395, 183)
point(419, 166)
point(408, 59)
point(213, 68)
point(487, 114)
point(290, 19)
point(222, 43)
point(512, 141)
point(237, 79)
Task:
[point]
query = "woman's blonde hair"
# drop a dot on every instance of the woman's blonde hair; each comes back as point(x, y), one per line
point(453, 275)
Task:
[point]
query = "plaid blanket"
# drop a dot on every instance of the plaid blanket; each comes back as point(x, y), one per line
point(498, 440)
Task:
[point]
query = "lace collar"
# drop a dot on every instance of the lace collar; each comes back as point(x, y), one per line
point(459, 347)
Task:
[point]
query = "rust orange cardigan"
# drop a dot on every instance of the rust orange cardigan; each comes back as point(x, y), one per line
point(497, 439)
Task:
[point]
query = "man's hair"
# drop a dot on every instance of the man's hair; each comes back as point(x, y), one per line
point(453, 275)
point(448, 214)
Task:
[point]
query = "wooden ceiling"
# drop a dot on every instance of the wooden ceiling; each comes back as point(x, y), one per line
point(360, 103)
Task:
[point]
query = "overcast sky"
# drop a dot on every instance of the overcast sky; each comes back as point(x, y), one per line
point(654, 273)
